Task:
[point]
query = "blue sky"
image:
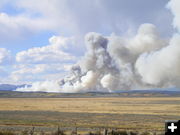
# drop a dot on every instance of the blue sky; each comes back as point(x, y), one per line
point(31, 32)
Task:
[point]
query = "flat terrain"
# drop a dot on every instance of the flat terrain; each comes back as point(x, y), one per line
point(146, 113)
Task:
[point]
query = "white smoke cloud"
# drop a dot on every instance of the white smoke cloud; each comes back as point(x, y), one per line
point(109, 63)
point(173, 5)
point(46, 86)
point(161, 67)
point(127, 50)
point(112, 63)
point(109, 82)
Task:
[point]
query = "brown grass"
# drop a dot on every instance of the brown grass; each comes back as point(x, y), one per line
point(155, 106)
point(125, 113)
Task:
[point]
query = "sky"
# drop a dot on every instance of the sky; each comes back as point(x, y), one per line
point(41, 40)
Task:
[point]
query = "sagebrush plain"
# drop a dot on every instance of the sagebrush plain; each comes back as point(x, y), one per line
point(134, 113)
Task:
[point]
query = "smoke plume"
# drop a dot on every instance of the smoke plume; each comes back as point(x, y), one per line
point(112, 63)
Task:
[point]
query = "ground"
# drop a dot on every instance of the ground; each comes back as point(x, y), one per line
point(134, 113)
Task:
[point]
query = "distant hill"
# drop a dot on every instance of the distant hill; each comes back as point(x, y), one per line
point(10, 87)
point(7, 90)
point(131, 93)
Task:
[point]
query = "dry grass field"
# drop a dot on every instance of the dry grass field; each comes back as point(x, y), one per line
point(146, 113)
point(152, 106)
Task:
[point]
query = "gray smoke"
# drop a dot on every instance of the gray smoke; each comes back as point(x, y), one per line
point(122, 63)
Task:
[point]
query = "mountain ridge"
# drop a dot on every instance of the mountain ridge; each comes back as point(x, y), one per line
point(130, 93)
point(10, 87)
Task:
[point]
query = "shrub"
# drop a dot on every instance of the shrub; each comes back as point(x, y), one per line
point(90, 133)
point(119, 133)
point(7, 133)
point(59, 132)
point(145, 133)
point(25, 132)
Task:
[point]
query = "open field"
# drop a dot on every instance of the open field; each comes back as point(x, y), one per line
point(126, 113)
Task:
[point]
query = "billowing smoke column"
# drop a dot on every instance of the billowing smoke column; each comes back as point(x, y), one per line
point(124, 63)
point(121, 63)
